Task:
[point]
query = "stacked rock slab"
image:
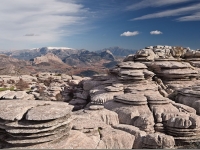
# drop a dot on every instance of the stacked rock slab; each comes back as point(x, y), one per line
point(193, 57)
point(104, 88)
point(185, 128)
point(171, 64)
point(28, 123)
point(141, 103)
point(142, 119)
point(132, 71)
point(189, 96)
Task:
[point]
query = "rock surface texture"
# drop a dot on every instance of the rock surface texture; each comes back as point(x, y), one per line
point(28, 123)
point(150, 100)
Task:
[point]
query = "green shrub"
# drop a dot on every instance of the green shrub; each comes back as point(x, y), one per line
point(5, 89)
point(12, 88)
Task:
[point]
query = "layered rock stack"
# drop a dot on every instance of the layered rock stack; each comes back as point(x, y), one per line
point(143, 119)
point(185, 128)
point(171, 64)
point(193, 57)
point(139, 101)
point(132, 71)
point(25, 124)
point(189, 96)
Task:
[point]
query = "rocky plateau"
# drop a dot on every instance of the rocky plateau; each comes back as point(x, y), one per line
point(150, 100)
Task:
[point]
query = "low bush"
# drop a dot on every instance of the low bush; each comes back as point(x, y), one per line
point(59, 97)
point(11, 81)
point(22, 85)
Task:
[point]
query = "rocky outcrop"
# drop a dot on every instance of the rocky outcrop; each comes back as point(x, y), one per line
point(139, 104)
point(189, 96)
point(28, 123)
point(137, 93)
point(48, 58)
point(13, 66)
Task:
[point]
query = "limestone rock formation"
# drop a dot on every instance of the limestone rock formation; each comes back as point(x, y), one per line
point(27, 123)
point(150, 100)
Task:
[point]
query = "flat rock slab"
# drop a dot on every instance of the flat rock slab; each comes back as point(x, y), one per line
point(96, 107)
point(117, 85)
point(131, 97)
point(9, 95)
point(3, 93)
point(32, 131)
point(179, 71)
point(48, 112)
point(142, 87)
point(195, 92)
point(154, 97)
point(42, 134)
point(172, 64)
point(13, 110)
point(20, 94)
point(113, 89)
point(132, 65)
point(133, 73)
point(17, 141)
point(36, 124)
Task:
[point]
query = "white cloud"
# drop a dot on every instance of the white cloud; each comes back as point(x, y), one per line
point(154, 3)
point(128, 33)
point(193, 17)
point(173, 12)
point(156, 32)
point(24, 22)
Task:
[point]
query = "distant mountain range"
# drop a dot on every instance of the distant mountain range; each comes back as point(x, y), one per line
point(9, 65)
point(28, 54)
point(64, 52)
point(61, 59)
point(118, 51)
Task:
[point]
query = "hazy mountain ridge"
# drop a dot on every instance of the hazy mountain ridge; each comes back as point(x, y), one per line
point(55, 60)
point(9, 65)
point(28, 54)
point(118, 51)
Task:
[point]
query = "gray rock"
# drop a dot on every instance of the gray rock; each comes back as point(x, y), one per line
point(15, 109)
point(48, 112)
point(113, 89)
point(17, 141)
point(158, 140)
point(132, 65)
point(132, 99)
point(9, 96)
point(139, 135)
point(35, 124)
point(115, 139)
point(96, 107)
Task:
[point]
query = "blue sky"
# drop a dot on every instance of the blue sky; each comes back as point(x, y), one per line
point(98, 24)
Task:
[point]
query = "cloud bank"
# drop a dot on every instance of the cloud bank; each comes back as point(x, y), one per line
point(128, 33)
